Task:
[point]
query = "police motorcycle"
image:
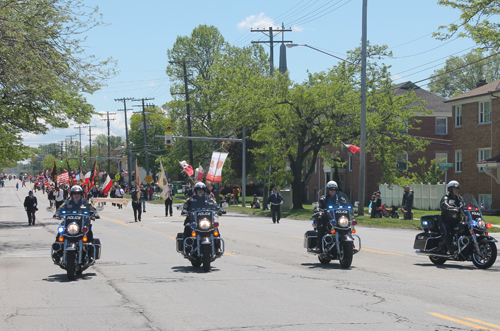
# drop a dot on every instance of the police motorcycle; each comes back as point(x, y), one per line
point(339, 240)
point(75, 248)
point(205, 244)
point(469, 236)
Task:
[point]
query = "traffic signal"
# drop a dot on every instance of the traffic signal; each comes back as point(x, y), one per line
point(84, 160)
point(61, 159)
point(168, 137)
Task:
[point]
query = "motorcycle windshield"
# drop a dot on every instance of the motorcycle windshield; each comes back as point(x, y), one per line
point(202, 203)
point(470, 204)
point(338, 201)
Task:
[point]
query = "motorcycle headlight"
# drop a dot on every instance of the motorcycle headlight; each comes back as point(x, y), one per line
point(343, 222)
point(73, 229)
point(205, 224)
point(481, 224)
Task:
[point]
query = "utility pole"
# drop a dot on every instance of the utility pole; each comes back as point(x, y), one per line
point(145, 130)
point(70, 143)
point(362, 156)
point(271, 33)
point(109, 138)
point(129, 158)
point(188, 112)
point(80, 134)
point(90, 140)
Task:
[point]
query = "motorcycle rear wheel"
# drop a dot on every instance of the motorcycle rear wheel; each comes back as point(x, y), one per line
point(488, 256)
point(437, 260)
point(206, 250)
point(345, 256)
point(71, 265)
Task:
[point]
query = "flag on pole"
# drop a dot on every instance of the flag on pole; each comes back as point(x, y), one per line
point(187, 168)
point(215, 171)
point(108, 184)
point(198, 176)
point(137, 180)
point(354, 149)
point(54, 174)
point(92, 175)
point(163, 183)
point(70, 175)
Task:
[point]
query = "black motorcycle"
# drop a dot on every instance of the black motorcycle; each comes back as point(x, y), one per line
point(469, 236)
point(338, 243)
point(74, 250)
point(205, 244)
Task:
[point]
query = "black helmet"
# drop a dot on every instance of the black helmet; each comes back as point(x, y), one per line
point(332, 185)
point(199, 186)
point(76, 189)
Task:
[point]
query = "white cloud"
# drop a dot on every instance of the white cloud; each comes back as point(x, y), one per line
point(297, 28)
point(256, 21)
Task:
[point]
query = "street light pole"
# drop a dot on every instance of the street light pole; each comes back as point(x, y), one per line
point(362, 156)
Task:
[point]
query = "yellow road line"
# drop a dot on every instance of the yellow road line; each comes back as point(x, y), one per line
point(109, 219)
point(298, 237)
point(480, 322)
point(475, 326)
point(380, 252)
point(173, 238)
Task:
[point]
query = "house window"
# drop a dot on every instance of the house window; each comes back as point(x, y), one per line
point(442, 157)
point(441, 125)
point(402, 162)
point(483, 154)
point(484, 199)
point(405, 130)
point(350, 162)
point(485, 112)
point(458, 116)
point(458, 161)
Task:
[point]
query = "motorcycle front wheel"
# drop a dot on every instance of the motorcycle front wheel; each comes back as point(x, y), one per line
point(206, 250)
point(345, 256)
point(486, 256)
point(71, 265)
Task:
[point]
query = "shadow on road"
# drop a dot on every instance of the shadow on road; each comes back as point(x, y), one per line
point(63, 278)
point(193, 270)
point(318, 265)
point(465, 266)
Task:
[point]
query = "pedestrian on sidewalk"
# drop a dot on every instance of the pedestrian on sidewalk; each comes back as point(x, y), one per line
point(407, 203)
point(275, 200)
point(30, 205)
point(136, 202)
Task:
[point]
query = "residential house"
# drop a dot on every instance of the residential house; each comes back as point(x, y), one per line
point(476, 142)
point(434, 127)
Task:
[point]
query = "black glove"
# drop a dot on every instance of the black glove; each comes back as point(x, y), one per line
point(184, 212)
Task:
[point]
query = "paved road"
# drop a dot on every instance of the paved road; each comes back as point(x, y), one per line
point(266, 281)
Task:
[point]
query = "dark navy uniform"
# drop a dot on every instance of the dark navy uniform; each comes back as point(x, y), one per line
point(450, 215)
point(275, 201)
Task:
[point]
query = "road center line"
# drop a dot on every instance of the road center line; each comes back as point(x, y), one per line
point(116, 221)
point(475, 326)
point(380, 252)
point(480, 322)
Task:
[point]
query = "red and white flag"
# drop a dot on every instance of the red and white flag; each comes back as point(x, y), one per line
point(108, 184)
point(215, 171)
point(354, 149)
point(187, 168)
point(63, 178)
point(198, 176)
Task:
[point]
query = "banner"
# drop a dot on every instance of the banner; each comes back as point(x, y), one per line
point(108, 184)
point(198, 176)
point(120, 201)
point(187, 168)
point(163, 183)
point(215, 171)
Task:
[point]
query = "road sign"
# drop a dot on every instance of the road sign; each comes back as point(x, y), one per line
point(445, 165)
point(148, 179)
point(99, 158)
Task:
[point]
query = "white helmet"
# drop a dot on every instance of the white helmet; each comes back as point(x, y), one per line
point(453, 184)
point(332, 185)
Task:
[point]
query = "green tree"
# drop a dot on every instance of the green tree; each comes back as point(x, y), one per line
point(45, 67)
point(478, 21)
point(449, 82)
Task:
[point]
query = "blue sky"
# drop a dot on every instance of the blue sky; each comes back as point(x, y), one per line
point(140, 32)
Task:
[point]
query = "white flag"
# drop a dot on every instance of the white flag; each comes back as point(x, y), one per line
point(163, 183)
point(215, 171)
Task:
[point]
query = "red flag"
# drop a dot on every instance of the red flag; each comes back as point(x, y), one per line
point(199, 174)
point(92, 175)
point(108, 184)
point(354, 149)
point(187, 168)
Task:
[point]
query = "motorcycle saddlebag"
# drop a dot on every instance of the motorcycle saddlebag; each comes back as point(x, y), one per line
point(430, 222)
point(425, 241)
point(180, 241)
point(310, 239)
point(97, 245)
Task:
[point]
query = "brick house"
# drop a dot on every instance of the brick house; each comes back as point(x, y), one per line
point(434, 127)
point(476, 138)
